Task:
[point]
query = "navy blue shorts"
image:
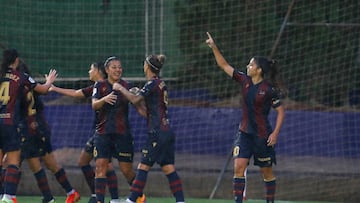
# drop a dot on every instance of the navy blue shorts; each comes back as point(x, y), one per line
point(248, 145)
point(117, 146)
point(35, 146)
point(9, 138)
point(38, 145)
point(89, 146)
point(159, 148)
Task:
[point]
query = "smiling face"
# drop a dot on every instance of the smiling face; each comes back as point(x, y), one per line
point(114, 70)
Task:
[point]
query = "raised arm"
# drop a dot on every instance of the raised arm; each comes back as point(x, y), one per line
point(220, 60)
point(50, 78)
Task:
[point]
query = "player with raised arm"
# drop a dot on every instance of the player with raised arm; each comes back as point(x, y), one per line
point(12, 83)
point(261, 90)
point(160, 143)
point(96, 73)
point(36, 145)
point(113, 136)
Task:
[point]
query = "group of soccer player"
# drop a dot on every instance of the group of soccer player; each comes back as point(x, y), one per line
point(25, 134)
point(22, 116)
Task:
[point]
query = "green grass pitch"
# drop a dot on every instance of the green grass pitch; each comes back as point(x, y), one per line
point(37, 199)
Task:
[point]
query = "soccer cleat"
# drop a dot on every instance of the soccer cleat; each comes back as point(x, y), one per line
point(73, 197)
point(6, 200)
point(115, 201)
point(51, 201)
point(141, 199)
point(92, 200)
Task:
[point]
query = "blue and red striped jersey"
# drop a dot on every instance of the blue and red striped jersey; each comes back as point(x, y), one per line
point(11, 89)
point(257, 100)
point(156, 99)
point(112, 118)
point(87, 91)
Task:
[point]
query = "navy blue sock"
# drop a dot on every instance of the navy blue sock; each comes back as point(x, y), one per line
point(100, 185)
point(112, 183)
point(43, 184)
point(238, 189)
point(11, 180)
point(138, 185)
point(62, 179)
point(270, 187)
point(2, 176)
point(176, 186)
point(89, 175)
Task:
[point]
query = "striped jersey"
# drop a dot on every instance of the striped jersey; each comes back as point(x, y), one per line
point(257, 100)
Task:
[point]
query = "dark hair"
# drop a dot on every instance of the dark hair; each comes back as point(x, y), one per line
point(23, 67)
point(108, 60)
point(9, 56)
point(155, 62)
point(270, 73)
point(100, 66)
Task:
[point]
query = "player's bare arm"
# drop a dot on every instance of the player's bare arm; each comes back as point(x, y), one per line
point(67, 92)
point(133, 98)
point(220, 60)
point(279, 121)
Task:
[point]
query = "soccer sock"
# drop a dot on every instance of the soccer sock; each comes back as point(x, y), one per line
point(100, 185)
point(238, 188)
point(138, 185)
point(62, 179)
point(176, 186)
point(130, 181)
point(11, 180)
point(2, 175)
point(43, 184)
point(270, 188)
point(112, 183)
point(89, 175)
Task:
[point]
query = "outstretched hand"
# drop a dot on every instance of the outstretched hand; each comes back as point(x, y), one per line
point(50, 78)
point(210, 42)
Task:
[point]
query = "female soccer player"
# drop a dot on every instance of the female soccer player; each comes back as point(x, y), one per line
point(260, 92)
point(12, 83)
point(36, 145)
point(113, 137)
point(96, 73)
point(160, 144)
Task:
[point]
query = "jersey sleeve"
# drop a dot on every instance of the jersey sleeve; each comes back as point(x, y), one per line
point(88, 91)
point(146, 90)
point(29, 81)
point(275, 100)
point(239, 76)
point(96, 91)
